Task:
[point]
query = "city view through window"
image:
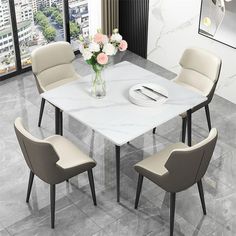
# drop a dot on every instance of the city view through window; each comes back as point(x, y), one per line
point(39, 22)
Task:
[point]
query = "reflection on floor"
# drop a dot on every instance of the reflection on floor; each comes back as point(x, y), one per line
point(75, 212)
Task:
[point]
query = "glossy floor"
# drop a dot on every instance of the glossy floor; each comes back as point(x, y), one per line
point(75, 212)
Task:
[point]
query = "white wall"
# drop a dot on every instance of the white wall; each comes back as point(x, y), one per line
point(173, 26)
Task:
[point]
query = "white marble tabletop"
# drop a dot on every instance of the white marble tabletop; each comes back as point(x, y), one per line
point(114, 116)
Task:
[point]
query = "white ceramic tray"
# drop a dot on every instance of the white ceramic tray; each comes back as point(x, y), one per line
point(144, 97)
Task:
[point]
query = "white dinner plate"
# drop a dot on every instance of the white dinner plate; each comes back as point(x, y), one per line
point(148, 98)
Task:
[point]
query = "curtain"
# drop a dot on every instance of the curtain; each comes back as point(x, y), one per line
point(110, 16)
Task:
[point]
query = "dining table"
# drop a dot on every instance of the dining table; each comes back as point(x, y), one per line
point(115, 116)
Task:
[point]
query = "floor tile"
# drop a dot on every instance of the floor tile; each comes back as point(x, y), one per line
point(4, 233)
point(75, 212)
point(68, 221)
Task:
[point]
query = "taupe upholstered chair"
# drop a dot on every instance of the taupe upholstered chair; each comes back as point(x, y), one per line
point(200, 72)
point(177, 168)
point(54, 160)
point(52, 67)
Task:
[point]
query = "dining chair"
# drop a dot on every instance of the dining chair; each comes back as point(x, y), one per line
point(52, 67)
point(177, 168)
point(54, 160)
point(200, 72)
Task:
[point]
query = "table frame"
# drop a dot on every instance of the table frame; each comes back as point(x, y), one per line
point(59, 131)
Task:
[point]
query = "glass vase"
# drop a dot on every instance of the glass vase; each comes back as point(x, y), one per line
point(98, 84)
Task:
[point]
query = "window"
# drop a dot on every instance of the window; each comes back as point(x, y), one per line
point(45, 26)
point(39, 22)
point(7, 56)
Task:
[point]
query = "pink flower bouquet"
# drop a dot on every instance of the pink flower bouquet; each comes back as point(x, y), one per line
point(97, 49)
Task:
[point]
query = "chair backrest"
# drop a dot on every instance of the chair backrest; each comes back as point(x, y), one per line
point(52, 63)
point(39, 155)
point(187, 166)
point(200, 69)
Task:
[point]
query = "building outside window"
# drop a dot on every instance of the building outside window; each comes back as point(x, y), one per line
point(7, 55)
point(79, 20)
point(39, 22)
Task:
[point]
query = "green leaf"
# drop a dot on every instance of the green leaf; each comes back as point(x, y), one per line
point(89, 61)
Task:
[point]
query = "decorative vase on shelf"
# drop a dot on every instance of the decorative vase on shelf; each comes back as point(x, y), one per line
point(98, 83)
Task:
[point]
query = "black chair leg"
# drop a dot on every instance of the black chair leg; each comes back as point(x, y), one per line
point(172, 212)
point(208, 117)
point(91, 182)
point(52, 200)
point(154, 131)
point(139, 188)
point(41, 111)
point(31, 179)
point(201, 193)
point(184, 125)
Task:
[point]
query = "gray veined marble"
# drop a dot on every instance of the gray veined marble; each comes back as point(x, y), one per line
point(104, 115)
point(75, 213)
point(173, 26)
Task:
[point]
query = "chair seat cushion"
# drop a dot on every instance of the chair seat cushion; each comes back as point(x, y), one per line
point(69, 154)
point(190, 87)
point(56, 76)
point(155, 165)
point(195, 81)
point(58, 83)
point(184, 114)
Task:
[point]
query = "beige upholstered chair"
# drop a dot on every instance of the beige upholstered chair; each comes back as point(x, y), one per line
point(54, 160)
point(177, 168)
point(200, 72)
point(52, 67)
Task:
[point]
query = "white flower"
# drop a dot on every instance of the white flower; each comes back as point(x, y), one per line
point(94, 47)
point(116, 37)
point(87, 54)
point(115, 30)
point(81, 47)
point(106, 39)
point(109, 49)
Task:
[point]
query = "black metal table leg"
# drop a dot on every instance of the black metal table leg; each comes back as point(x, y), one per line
point(118, 172)
point(41, 111)
point(184, 125)
point(58, 121)
point(189, 124)
point(208, 117)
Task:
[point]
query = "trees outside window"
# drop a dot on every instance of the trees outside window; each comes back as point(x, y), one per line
point(38, 22)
